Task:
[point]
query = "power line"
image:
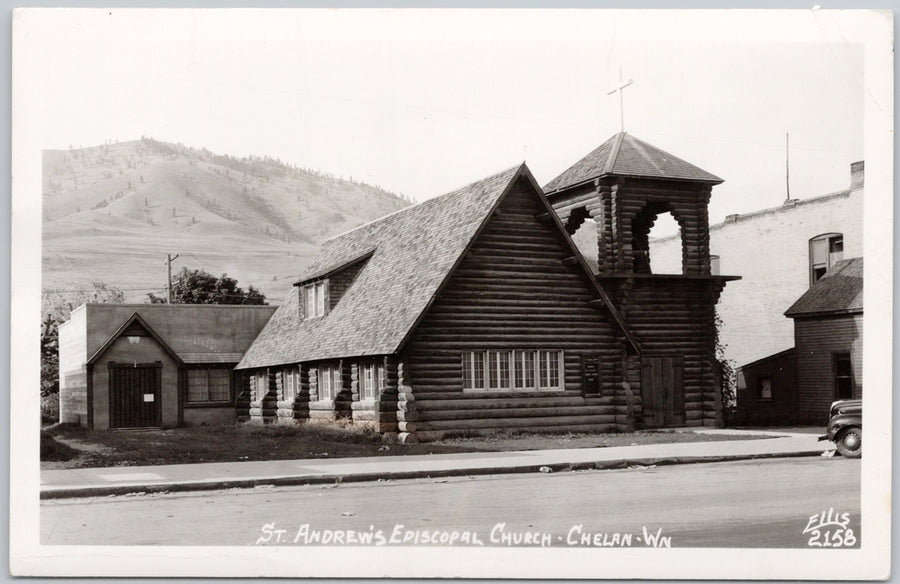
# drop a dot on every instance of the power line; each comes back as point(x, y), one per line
point(146, 252)
point(88, 291)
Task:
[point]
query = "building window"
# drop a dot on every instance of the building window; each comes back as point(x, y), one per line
point(368, 388)
point(765, 388)
point(290, 383)
point(524, 369)
point(260, 384)
point(315, 299)
point(520, 370)
point(208, 385)
point(373, 380)
point(330, 381)
point(824, 251)
point(843, 376)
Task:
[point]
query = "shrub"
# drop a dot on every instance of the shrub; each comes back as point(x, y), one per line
point(53, 450)
point(49, 409)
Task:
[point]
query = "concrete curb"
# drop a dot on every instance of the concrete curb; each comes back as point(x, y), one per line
point(247, 483)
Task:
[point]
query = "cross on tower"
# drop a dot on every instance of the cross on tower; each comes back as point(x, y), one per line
point(618, 89)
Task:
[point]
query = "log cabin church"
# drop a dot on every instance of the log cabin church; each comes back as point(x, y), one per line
point(474, 311)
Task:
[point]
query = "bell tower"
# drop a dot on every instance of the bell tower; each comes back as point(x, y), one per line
point(623, 186)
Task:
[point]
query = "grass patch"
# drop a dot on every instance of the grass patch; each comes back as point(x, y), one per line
point(232, 443)
point(309, 440)
point(523, 440)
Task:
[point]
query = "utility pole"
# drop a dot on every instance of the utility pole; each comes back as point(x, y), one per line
point(787, 163)
point(170, 259)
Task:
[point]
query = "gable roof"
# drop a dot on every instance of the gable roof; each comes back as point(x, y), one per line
point(134, 319)
point(416, 250)
point(839, 291)
point(625, 155)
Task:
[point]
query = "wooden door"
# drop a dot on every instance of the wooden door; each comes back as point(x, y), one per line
point(134, 395)
point(662, 390)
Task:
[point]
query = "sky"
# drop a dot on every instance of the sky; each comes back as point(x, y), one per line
point(422, 102)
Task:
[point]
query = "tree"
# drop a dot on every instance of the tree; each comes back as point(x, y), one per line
point(56, 306)
point(201, 287)
point(727, 376)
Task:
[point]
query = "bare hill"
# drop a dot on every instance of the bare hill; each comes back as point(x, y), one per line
point(113, 212)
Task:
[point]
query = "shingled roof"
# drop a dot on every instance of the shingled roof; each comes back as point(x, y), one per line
point(625, 155)
point(408, 256)
point(839, 291)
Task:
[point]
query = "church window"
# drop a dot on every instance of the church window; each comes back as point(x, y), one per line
point(330, 381)
point(315, 298)
point(260, 384)
point(516, 370)
point(290, 382)
point(373, 380)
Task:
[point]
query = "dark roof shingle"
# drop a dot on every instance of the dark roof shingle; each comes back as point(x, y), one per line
point(839, 291)
point(414, 251)
point(625, 155)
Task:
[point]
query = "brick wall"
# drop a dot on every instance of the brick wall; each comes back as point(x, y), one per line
point(769, 249)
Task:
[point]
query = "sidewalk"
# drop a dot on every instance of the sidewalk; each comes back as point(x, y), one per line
point(88, 482)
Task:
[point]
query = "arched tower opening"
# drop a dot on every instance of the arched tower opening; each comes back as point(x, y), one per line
point(583, 230)
point(655, 221)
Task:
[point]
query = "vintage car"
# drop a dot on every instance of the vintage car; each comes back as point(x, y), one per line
point(845, 427)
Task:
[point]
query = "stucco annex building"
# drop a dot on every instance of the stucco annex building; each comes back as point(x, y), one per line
point(153, 365)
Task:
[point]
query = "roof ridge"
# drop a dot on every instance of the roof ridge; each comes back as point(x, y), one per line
point(648, 146)
point(420, 203)
point(415, 253)
point(614, 153)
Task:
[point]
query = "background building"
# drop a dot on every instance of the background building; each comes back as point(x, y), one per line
point(153, 365)
point(778, 252)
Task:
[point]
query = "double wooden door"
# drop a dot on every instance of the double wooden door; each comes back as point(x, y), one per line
point(134, 395)
point(662, 390)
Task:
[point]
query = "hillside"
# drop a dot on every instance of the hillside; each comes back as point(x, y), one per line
point(113, 212)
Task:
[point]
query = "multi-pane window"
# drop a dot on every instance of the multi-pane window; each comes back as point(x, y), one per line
point(524, 369)
point(824, 251)
point(843, 376)
point(315, 299)
point(260, 384)
point(382, 376)
point(208, 385)
point(373, 380)
point(290, 382)
point(512, 370)
point(368, 388)
point(330, 382)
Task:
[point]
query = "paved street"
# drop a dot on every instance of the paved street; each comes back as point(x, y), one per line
point(755, 503)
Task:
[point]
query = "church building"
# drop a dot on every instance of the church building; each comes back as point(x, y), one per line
point(474, 312)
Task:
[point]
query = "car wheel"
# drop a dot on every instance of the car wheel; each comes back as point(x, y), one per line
point(849, 442)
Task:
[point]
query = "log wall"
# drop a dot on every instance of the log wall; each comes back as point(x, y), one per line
point(513, 290)
point(617, 205)
point(263, 408)
point(675, 316)
point(668, 316)
point(291, 409)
